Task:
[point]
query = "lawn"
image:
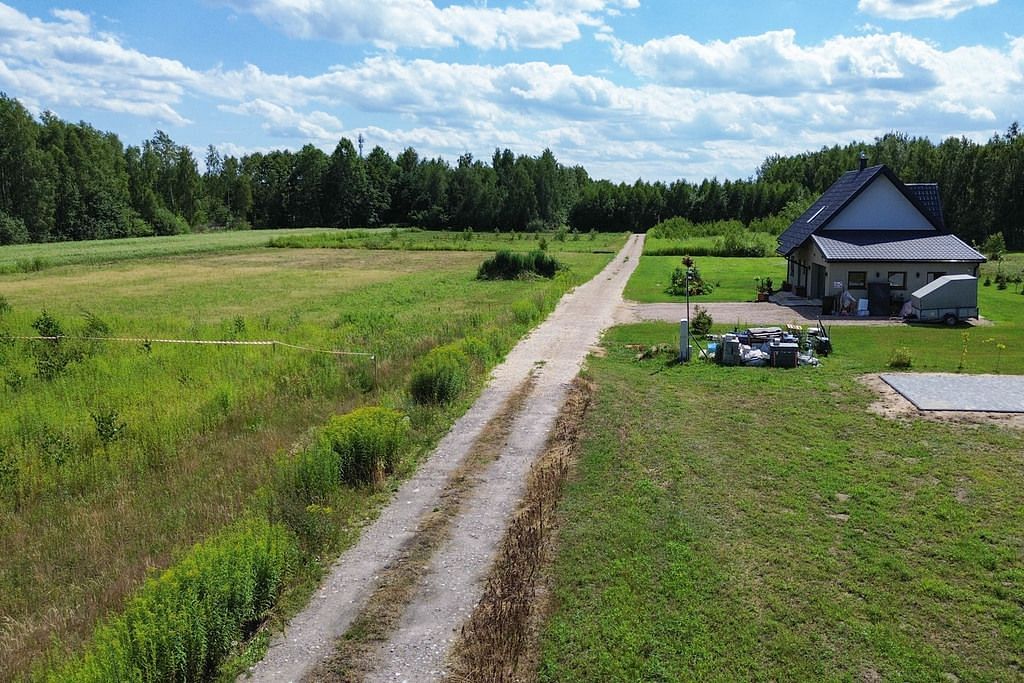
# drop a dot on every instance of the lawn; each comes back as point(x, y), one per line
point(733, 278)
point(115, 457)
point(749, 524)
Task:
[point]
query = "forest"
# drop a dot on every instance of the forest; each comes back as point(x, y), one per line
point(70, 181)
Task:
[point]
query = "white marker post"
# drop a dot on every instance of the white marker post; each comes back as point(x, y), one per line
point(684, 341)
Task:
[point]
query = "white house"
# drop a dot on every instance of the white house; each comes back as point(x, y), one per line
point(872, 231)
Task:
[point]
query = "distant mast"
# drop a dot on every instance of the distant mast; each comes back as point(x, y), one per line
point(361, 141)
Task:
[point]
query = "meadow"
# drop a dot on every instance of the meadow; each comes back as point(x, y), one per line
point(116, 457)
point(414, 239)
point(27, 258)
point(811, 539)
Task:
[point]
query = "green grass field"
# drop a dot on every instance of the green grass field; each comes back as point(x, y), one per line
point(750, 524)
point(444, 240)
point(733, 277)
point(115, 457)
point(27, 258)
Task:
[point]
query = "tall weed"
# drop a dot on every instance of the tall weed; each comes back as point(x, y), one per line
point(368, 443)
point(180, 624)
point(440, 376)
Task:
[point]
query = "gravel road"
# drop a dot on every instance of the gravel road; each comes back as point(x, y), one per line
point(416, 651)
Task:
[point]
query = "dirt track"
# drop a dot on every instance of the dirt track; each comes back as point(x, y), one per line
point(453, 581)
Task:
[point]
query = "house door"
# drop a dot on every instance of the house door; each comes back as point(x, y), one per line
point(817, 281)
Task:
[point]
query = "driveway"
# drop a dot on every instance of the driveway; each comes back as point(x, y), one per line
point(743, 314)
point(454, 580)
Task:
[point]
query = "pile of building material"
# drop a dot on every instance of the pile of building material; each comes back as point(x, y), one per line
point(771, 346)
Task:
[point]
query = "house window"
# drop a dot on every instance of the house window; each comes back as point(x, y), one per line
point(898, 280)
point(933, 276)
point(857, 279)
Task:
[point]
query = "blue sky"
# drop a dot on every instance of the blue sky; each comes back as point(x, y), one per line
point(657, 89)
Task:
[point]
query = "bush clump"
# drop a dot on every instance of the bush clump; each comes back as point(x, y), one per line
point(368, 443)
point(512, 265)
point(440, 376)
point(901, 358)
point(180, 625)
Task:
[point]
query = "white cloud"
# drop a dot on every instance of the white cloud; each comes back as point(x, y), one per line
point(774, 62)
point(920, 9)
point(700, 109)
point(62, 62)
point(392, 24)
point(284, 122)
point(74, 19)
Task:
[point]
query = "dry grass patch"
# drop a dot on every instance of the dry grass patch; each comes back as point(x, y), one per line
point(499, 641)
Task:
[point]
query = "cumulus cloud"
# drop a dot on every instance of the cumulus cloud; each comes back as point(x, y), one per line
point(919, 9)
point(284, 122)
point(63, 62)
point(699, 109)
point(774, 62)
point(392, 24)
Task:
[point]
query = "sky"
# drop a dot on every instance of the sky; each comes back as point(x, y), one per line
point(652, 89)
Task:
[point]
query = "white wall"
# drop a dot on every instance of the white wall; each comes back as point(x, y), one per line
point(880, 207)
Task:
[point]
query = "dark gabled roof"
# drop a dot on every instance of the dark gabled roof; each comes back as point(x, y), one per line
point(928, 195)
point(887, 245)
point(844, 191)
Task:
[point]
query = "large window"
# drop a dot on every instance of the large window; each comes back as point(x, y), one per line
point(898, 279)
point(857, 279)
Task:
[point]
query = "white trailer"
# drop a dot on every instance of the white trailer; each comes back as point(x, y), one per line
point(948, 299)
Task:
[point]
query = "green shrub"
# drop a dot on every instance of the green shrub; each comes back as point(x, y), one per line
point(511, 265)
point(673, 228)
point(525, 312)
point(687, 280)
point(368, 443)
point(994, 246)
point(12, 230)
point(440, 376)
point(479, 352)
point(701, 322)
point(737, 241)
point(901, 359)
point(166, 222)
point(181, 624)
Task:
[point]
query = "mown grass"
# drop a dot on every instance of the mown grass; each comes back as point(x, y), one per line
point(412, 239)
point(732, 277)
point(29, 258)
point(750, 524)
point(85, 511)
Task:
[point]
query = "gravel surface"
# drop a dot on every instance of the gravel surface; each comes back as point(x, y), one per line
point(944, 391)
point(418, 647)
point(744, 314)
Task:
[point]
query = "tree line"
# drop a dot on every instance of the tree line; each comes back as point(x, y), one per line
point(70, 181)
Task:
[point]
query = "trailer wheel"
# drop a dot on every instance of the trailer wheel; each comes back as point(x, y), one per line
point(950, 319)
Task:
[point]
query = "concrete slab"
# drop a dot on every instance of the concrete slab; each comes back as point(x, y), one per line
point(977, 393)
